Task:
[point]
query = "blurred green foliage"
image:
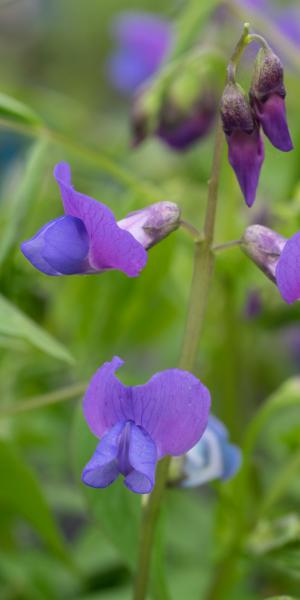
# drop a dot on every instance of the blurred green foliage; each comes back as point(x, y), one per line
point(234, 541)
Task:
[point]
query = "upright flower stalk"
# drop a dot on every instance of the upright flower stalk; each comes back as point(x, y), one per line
point(202, 276)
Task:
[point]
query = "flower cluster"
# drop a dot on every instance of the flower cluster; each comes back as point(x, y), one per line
point(243, 117)
point(143, 43)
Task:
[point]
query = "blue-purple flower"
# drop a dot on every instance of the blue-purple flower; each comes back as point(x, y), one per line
point(88, 239)
point(213, 457)
point(277, 257)
point(144, 41)
point(267, 96)
point(140, 425)
point(245, 145)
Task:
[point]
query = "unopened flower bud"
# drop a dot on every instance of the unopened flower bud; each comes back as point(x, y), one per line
point(153, 223)
point(245, 146)
point(268, 99)
point(264, 247)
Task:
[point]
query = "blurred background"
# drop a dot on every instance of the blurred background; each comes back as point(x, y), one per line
point(57, 539)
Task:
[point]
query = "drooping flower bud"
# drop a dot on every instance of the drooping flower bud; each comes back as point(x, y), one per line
point(153, 223)
point(180, 130)
point(245, 146)
point(182, 112)
point(267, 96)
point(277, 257)
point(263, 246)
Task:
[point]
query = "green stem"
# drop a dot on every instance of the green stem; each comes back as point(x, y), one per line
point(66, 393)
point(203, 265)
point(227, 245)
point(203, 270)
point(237, 53)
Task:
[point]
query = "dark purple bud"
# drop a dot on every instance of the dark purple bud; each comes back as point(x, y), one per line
point(245, 146)
point(268, 99)
point(153, 223)
point(264, 247)
point(181, 129)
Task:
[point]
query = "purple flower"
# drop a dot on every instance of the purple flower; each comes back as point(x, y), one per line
point(267, 96)
point(179, 130)
point(245, 146)
point(144, 41)
point(89, 240)
point(139, 425)
point(213, 457)
point(277, 257)
point(253, 304)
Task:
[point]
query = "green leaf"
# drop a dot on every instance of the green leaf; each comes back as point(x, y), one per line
point(13, 109)
point(282, 598)
point(16, 324)
point(25, 195)
point(20, 493)
point(275, 534)
point(287, 395)
point(115, 509)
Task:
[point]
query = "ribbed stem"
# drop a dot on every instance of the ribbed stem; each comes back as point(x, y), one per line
point(202, 275)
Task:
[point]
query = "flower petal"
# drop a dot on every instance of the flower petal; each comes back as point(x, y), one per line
point(288, 270)
point(272, 116)
point(105, 399)
point(102, 469)
point(142, 458)
point(213, 457)
point(246, 155)
point(60, 248)
point(110, 246)
point(173, 407)
point(232, 458)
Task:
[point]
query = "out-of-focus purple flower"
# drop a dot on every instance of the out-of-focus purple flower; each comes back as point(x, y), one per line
point(213, 457)
point(139, 425)
point(253, 304)
point(245, 145)
point(277, 257)
point(267, 96)
point(179, 130)
point(144, 40)
point(88, 239)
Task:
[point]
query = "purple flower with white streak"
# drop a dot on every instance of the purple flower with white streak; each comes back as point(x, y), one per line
point(88, 239)
point(213, 457)
point(140, 425)
point(143, 40)
point(277, 257)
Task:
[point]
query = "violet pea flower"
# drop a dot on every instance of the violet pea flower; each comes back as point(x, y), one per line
point(213, 457)
point(140, 425)
point(143, 42)
point(277, 257)
point(88, 239)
